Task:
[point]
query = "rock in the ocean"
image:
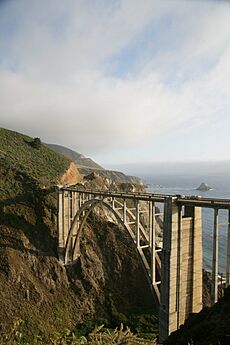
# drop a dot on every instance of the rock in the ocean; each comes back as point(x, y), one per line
point(204, 187)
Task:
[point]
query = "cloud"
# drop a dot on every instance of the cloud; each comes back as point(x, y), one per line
point(55, 82)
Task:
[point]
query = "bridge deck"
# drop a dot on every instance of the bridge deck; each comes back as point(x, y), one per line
point(191, 200)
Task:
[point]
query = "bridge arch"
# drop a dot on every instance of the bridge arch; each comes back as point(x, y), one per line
point(88, 206)
point(78, 226)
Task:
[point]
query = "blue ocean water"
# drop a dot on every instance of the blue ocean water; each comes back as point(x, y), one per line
point(186, 185)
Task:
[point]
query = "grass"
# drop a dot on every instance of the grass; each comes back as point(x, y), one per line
point(23, 166)
point(99, 336)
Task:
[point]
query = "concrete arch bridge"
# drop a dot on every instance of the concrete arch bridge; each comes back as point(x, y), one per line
point(172, 257)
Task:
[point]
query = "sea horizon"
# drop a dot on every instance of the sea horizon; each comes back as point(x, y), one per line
point(176, 184)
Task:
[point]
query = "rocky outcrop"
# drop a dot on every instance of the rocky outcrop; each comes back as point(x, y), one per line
point(71, 176)
point(116, 176)
point(94, 180)
point(204, 187)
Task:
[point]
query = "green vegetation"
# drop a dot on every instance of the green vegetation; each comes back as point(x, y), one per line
point(29, 172)
point(26, 163)
point(36, 143)
point(144, 325)
point(98, 336)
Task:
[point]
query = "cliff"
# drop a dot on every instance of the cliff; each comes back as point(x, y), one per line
point(108, 280)
point(70, 176)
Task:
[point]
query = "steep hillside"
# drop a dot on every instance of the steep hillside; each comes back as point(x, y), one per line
point(79, 159)
point(107, 281)
point(25, 161)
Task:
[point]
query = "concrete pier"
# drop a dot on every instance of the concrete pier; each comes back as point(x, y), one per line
point(228, 254)
point(214, 288)
point(181, 283)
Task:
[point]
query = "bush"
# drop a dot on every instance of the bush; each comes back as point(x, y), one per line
point(36, 143)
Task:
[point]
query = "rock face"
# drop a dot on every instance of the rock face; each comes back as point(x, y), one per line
point(71, 176)
point(204, 187)
point(91, 176)
point(97, 181)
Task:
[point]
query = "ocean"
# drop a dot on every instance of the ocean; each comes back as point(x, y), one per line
point(186, 185)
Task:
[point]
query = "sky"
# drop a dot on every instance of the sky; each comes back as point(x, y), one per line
point(121, 81)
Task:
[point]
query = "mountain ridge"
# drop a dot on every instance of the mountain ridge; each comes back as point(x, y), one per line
point(86, 166)
point(75, 156)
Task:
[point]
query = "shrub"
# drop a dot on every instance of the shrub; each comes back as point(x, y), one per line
point(36, 143)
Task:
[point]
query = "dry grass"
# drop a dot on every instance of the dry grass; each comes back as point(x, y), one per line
point(100, 336)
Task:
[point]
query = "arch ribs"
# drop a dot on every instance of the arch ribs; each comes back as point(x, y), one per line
point(134, 215)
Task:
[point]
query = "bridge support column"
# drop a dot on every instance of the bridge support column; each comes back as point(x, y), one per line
point(60, 225)
point(74, 205)
point(181, 276)
point(152, 240)
point(124, 212)
point(215, 265)
point(228, 254)
point(137, 224)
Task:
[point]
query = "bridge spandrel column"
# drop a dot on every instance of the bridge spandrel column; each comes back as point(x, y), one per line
point(75, 208)
point(214, 287)
point(197, 302)
point(60, 221)
point(168, 297)
point(137, 224)
point(63, 220)
point(124, 212)
point(152, 240)
point(66, 215)
point(74, 205)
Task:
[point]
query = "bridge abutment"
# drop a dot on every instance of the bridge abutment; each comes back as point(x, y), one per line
point(67, 207)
